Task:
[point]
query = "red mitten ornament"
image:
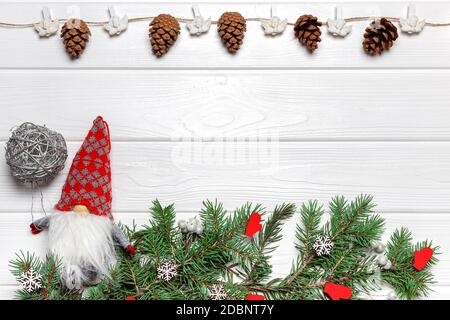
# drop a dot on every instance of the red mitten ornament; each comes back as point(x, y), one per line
point(130, 250)
point(34, 229)
point(337, 291)
point(422, 257)
point(254, 224)
point(251, 296)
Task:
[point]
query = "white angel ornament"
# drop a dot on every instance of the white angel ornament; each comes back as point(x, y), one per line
point(338, 27)
point(116, 24)
point(274, 26)
point(48, 26)
point(199, 24)
point(411, 24)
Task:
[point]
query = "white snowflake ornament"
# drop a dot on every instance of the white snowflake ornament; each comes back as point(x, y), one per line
point(274, 26)
point(167, 270)
point(338, 27)
point(199, 24)
point(323, 245)
point(411, 24)
point(48, 26)
point(217, 292)
point(30, 280)
point(116, 24)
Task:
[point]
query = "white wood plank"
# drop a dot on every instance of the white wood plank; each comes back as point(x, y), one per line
point(435, 227)
point(23, 49)
point(312, 105)
point(405, 176)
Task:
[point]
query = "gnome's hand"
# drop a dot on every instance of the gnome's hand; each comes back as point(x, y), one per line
point(39, 225)
point(130, 250)
point(34, 229)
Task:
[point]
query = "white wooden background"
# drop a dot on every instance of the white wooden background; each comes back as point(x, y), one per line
point(184, 126)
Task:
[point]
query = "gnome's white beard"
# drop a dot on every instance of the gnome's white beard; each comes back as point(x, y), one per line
point(84, 245)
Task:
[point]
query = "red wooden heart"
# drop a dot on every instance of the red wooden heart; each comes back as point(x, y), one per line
point(422, 257)
point(251, 296)
point(337, 291)
point(254, 224)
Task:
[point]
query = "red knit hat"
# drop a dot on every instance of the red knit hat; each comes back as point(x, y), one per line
point(89, 180)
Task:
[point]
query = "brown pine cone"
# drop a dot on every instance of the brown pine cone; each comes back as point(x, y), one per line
point(75, 34)
point(163, 32)
point(231, 27)
point(379, 36)
point(307, 31)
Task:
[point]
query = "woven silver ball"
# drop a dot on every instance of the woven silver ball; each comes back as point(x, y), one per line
point(35, 154)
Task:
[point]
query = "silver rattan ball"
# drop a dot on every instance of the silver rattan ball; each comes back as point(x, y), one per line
point(35, 154)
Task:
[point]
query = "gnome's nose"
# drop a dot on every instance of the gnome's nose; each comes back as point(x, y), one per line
point(81, 210)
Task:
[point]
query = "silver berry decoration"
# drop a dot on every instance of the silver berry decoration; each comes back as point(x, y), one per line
point(379, 247)
point(182, 224)
point(382, 260)
point(388, 265)
point(193, 225)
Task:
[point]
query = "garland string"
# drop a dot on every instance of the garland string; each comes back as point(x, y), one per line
point(186, 20)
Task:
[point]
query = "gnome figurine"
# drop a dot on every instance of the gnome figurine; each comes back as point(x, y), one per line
point(82, 233)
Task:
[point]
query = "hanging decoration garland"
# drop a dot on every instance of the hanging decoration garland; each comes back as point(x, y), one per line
point(230, 258)
point(379, 36)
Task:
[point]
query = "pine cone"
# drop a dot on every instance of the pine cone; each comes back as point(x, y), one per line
point(163, 32)
point(231, 27)
point(379, 36)
point(75, 34)
point(307, 30)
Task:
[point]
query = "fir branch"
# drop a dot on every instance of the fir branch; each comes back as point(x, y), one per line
point(408, 282)
point(311, 215)
point(353, 213)
point(267, 237)
point(212, 216)
point(50, 277)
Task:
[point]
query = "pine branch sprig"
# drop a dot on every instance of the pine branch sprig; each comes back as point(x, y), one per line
point(407, 282)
